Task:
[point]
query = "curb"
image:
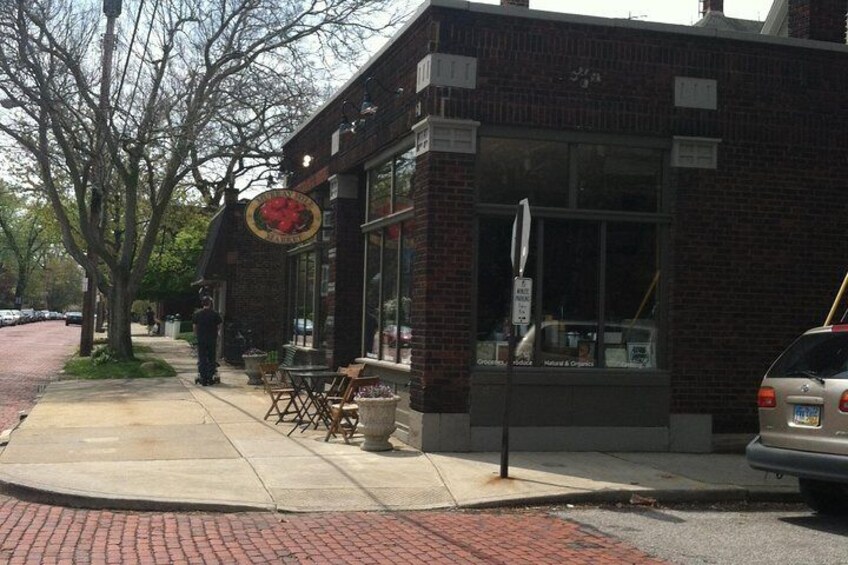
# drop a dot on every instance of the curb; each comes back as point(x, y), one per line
point(39, 495)
point(647, 497)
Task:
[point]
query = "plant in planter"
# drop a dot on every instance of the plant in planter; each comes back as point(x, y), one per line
point(377, 405)
point(252, 358)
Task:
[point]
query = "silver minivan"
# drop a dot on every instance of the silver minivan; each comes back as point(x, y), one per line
point(803, 413)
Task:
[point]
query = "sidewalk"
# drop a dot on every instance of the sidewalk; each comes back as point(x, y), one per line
point(168, 444)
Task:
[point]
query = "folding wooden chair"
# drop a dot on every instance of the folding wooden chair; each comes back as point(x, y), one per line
point(338, 388)
point(344, 415)
point(278, 392)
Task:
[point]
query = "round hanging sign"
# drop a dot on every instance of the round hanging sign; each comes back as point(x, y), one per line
point(286, 217)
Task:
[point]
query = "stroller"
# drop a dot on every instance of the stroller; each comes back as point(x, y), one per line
point(216, 378)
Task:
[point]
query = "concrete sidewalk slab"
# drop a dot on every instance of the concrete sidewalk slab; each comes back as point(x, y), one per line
point(187, 484)
point(170, 444)
point(136, 443)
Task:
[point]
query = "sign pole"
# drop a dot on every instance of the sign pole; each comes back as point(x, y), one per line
point(516, 271)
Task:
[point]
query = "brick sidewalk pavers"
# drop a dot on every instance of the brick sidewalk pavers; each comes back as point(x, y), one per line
point(35, 533)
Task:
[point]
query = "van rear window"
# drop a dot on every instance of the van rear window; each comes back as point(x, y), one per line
point(818, 355)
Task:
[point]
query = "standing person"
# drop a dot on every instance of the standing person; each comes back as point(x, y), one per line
point(206, 322)
point(150, 320)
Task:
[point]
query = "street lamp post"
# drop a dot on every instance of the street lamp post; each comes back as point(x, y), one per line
point(111, 9)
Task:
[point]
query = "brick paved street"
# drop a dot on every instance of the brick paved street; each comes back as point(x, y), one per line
point(38, 533)
point(30, 356)
point(33, 533)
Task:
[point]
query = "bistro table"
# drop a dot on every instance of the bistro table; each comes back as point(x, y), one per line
point(313, 383)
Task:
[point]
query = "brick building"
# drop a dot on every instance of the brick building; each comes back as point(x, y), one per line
point(688, 193)
point(243, 277)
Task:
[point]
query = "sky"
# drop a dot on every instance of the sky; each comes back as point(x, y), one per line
point(685, 12)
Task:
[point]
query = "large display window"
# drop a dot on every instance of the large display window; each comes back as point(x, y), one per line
point(389, 255)
point(596, 276)
point(304, 298)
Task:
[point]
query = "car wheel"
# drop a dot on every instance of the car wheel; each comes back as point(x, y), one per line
point(824, 497)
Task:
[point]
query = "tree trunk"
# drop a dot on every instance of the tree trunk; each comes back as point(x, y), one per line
point(120, 304)
point(20, 288)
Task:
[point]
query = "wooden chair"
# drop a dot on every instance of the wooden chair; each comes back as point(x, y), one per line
point(289, 354)
point(344, 415)
point(338, 388)
point(278, 392)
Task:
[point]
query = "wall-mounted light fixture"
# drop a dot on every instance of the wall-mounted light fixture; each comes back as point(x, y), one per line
point(285, 169)
point(347, 125)
point(368, 108)
point(307, 160)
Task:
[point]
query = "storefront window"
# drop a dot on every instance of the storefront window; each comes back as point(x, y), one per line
point(388, 300)
point(595, 278)
point(373, 295)
point(380, 191)
point(569, 317)
point(494, 273)
point(303, 301)
point(404, 170)
point(390, 186)
point(390, 252)
point(631, 296)
point(512, 169)
point(619, 178)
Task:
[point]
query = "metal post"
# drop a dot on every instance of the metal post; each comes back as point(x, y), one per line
point(112, 9)
point(516, 265)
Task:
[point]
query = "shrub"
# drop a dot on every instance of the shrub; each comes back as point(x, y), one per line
point(102, 355)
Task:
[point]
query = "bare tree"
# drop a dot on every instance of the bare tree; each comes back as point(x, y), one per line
point(204, 91)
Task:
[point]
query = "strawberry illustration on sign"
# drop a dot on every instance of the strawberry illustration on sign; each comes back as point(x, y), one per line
point(283, 216)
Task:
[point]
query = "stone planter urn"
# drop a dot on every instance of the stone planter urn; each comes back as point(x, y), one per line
point(251, 367)
point(377, 422)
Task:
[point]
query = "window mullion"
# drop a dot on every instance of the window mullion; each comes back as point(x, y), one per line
point(398, 298)
point(602, 285)
point(380, 294)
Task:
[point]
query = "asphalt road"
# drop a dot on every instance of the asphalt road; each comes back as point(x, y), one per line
point(723, 534)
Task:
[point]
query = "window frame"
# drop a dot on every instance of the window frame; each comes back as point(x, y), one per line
point(380, 225)
point(662, 220)
point(293, 259)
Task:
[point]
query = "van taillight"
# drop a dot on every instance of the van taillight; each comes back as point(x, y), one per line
point(843, 402)
point(767, 399)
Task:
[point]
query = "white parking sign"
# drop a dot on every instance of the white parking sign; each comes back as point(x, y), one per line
point(522, 300)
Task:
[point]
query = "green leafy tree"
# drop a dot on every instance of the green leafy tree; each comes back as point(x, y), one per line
point(204, 92)
point(24, 227)
point(173, 265)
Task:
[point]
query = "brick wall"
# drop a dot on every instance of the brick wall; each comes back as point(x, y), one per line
point(823, 20)
point(255, 283)
point(441, 291)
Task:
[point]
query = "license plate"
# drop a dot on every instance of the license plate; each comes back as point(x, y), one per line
point(805, 415)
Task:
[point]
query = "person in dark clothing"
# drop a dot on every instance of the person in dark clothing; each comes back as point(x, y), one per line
point(206, 322)
point(150, 320)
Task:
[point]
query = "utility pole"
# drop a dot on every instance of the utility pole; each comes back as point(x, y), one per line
point(111, 9)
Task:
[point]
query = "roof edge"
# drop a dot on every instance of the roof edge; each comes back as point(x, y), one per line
point(567, 18)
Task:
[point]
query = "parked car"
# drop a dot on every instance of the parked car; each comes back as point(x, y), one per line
point(7, 318)
point(803, 413)
point(303, 326)
point(390, 335)
point(73, 318)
